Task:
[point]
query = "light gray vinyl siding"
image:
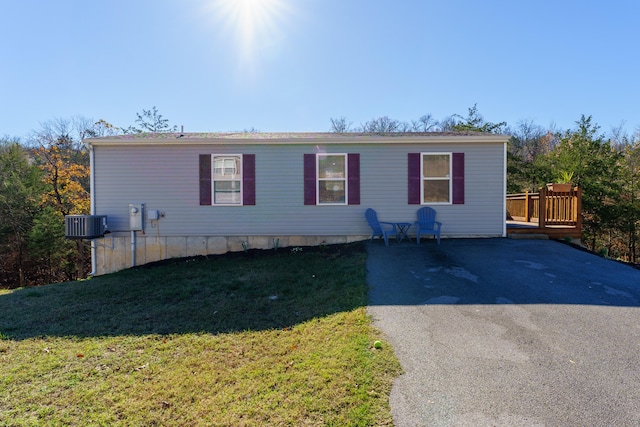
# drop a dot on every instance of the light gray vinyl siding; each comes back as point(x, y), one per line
point(166, 178)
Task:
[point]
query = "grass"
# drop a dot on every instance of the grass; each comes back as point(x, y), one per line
point(251, 339)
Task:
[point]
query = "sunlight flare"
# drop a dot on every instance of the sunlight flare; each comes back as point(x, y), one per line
point(253, 25)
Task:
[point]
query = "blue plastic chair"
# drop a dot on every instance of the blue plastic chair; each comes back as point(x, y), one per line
point(380, 229)
point(427, 224)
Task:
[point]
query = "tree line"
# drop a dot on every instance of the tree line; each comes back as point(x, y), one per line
point(43, 179)
point(46, 177)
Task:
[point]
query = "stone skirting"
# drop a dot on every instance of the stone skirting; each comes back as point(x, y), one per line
point(113, 253)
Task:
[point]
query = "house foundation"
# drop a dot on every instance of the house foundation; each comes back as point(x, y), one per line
point(114, 253)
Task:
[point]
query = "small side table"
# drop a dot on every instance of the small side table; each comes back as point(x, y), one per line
point(403, 228)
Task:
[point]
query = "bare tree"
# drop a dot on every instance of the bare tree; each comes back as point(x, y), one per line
point(405, 127)
point(382, 124)
point(72, 131)
point(425, 123)
point(619, 137)
point(528, 140)
point(340, 125)
point(448, 124)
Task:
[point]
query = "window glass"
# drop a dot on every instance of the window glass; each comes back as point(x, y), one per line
point(331, 166)
point(332, 192)
point(226, 192)
point(436, 178)
point(227, 180)
point(226, 167)
point(436, 191)
point(332, 179)
point(435, 166)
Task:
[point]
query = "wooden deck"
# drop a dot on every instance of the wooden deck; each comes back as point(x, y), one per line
point(552, 231)
point(557, 215)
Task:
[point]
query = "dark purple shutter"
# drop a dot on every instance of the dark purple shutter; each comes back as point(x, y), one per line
point(414, 178)
point(457, 174)
point(205, 179)
point(353, 168)
point(309, 179)
point(248, 179)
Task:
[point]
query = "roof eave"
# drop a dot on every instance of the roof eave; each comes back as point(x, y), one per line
point(308, 139)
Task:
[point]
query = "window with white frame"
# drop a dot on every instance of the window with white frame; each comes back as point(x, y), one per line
point(227, 179)
point(436, 178)
point(332, 179)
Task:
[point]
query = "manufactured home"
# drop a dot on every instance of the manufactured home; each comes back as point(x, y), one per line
point(176, 195)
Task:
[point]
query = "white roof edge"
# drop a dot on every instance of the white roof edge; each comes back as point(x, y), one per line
point(307, 140)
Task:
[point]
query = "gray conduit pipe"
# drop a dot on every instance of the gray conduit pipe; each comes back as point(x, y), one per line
point(92, 192)
point(133, 248)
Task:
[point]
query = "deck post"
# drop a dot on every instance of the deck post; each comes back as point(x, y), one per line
point(542, 209)
point(579, 208)
point(527, 215)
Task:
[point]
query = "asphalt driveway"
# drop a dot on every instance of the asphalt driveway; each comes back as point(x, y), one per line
point(502, 332)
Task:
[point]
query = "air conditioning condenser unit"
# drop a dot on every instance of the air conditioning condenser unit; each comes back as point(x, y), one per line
point(85, 226)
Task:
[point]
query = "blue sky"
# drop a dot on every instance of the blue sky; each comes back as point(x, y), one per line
point(291, 65)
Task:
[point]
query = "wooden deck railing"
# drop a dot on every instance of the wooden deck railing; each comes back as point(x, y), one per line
point(547, 208)
point(523, 206)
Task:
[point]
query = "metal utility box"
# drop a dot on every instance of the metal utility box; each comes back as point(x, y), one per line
point(136, 216)
point(85, 226)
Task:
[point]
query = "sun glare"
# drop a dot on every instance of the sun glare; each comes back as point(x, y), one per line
point(252, 24)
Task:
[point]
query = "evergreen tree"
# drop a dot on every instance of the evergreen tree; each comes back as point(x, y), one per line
point(21, 190)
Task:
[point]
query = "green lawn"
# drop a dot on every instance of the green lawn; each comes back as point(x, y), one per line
point(256, 338)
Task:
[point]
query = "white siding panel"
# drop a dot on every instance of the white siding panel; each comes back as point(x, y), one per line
point(166, 178)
